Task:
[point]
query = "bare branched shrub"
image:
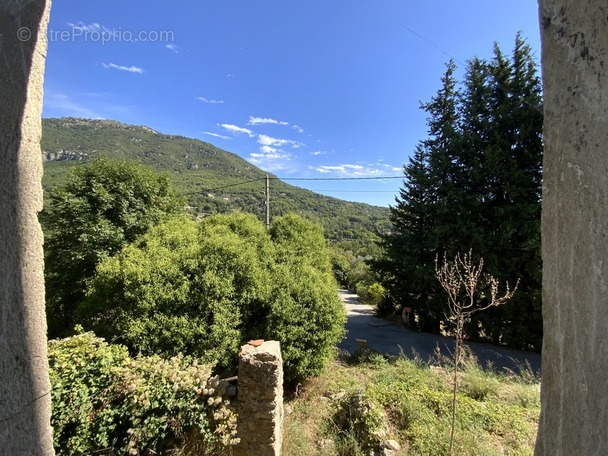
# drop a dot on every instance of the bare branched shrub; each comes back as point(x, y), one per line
point(461, 279)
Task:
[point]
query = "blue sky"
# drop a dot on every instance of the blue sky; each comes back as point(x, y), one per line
point(299, 88)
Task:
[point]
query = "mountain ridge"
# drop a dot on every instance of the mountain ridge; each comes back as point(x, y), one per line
point(197, 167)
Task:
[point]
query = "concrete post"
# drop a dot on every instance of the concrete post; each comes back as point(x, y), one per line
point(25, 402)
point(260, 400)
point(574, 392)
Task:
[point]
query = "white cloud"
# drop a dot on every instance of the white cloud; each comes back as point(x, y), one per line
point(342, 170)
point(265, 120)
point(173, 47)
point(216, 135)
point(268, 149)
point(358, 170)
point(266, 140)
point(237, 130)
point(270, 141)
point(206, 100)
point(91, 28)
point(131, 69)
point(387, 168)
point(61, 105)
point(270, 121)
point(273, 161)
point(90, 105)
point(274, 156)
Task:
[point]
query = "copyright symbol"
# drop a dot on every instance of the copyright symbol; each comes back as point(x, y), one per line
point(24, 34)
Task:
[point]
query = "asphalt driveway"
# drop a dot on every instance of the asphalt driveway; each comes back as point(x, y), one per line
point(394, 339)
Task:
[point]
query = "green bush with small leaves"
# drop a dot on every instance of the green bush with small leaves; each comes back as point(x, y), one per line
point(361, 419)
point(376, 293)
point(103, 206)
point(205, 288)
point(306, 317)
point(106, 402)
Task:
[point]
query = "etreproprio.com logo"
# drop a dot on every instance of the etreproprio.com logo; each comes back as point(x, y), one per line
point(101, 35)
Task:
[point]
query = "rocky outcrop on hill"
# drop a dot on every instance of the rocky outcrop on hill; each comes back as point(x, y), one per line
point(62, 155)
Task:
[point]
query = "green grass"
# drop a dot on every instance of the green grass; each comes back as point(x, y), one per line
point(496, 414)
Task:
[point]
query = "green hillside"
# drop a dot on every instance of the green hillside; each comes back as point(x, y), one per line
point(199, 169)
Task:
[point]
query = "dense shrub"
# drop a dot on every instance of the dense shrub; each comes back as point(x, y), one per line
point(340, 265)
point(181, 288)
point(108, 402)
point(300, 241)
point(375, 295)
point(361, 419)
point(306, 317)
point(203, 289)
point(103, 206)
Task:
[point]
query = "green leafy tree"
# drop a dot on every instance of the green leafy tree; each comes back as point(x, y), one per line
point(376, 293)
point(306, 317)
point(102, 207)
point(205, 288)
point(182, 288)
point(340, 264)
point(299, 240)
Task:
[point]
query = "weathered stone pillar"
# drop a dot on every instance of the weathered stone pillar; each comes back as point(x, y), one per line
point(25, 402)
point(260, 400)
point(574, 392)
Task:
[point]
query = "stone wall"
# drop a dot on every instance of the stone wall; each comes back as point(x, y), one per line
point(574, 392)
point(25, 402)
point(260, 400)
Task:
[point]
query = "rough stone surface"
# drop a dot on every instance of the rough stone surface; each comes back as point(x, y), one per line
point(260, 400)
point(574, 392)
point(391, 445)
point(24, 383)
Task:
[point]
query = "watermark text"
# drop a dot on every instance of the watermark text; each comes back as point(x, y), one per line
point(101, 35)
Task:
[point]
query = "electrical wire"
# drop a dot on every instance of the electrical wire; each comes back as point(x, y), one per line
point(303, 179)
point(412, 31)
point(334, 178)
point(222, 188)
point(443, 51)
point(351, 191)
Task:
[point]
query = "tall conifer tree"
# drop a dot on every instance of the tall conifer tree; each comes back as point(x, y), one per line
point(475, 183)
point(422, 208)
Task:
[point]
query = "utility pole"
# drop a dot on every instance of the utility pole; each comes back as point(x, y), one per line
point(267, 193)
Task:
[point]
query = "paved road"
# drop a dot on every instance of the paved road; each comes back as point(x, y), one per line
point(394, 339)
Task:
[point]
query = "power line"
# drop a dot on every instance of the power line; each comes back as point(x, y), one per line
point(335, 178)
point(267, 187)
point(294, 179)
point(443, 51)
point(222, 188)
point(352, 191)
point(412, 31)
